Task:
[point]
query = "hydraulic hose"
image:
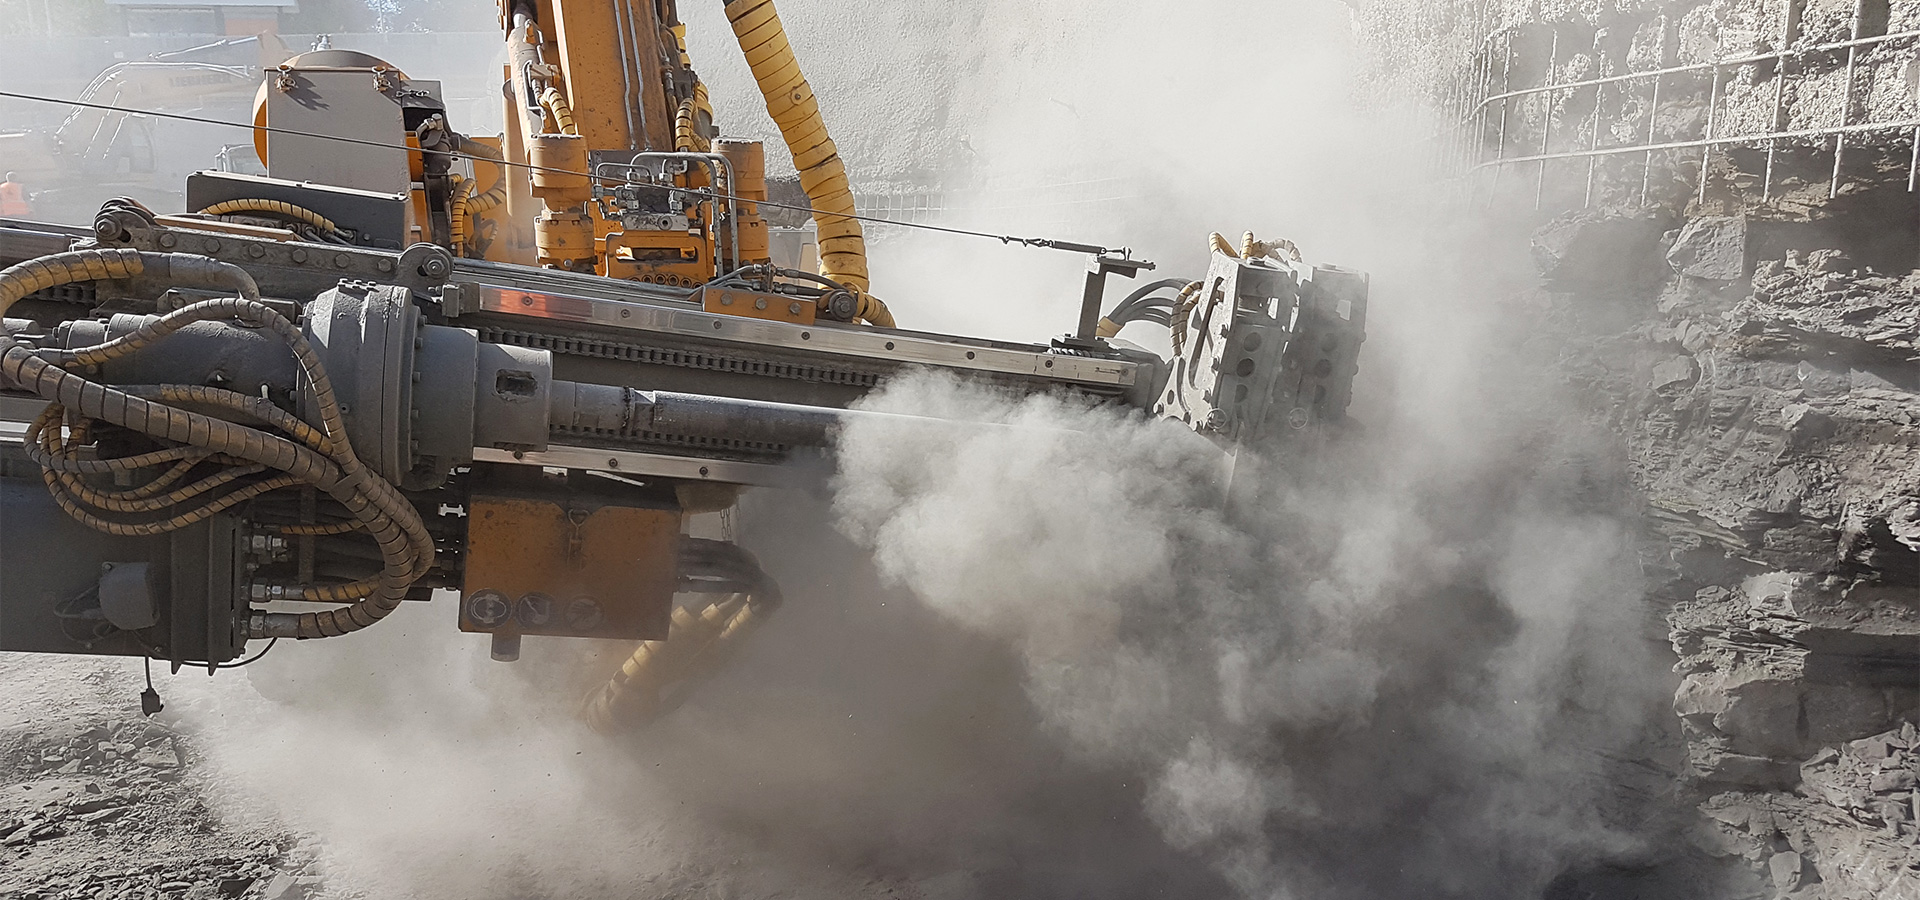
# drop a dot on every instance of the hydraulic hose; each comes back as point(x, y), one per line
point(790, 101)
point(657, 677)
point(556, 105)
point(375, 505)
point(276, 208)
point(1183, 308)
point(468, 206)
point(687, 137)
point(457, 213)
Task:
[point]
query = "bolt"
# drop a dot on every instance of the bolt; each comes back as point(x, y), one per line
point(341, 260)
point(212, 245)
point(793, 308)
point(299, 256)
point(584, 614)
point(434, 266)
point(168, 241)
point(726, 299)
point(1216, 421)
point(256, 251)
point(384, 265)
point(487, 608)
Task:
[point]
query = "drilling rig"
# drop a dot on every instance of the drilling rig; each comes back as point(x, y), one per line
point(409, 360)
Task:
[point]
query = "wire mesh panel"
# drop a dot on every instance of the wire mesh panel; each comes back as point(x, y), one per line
point(1576, 114)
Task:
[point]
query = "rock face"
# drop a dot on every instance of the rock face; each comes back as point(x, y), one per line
point(1768, 411)
point(1711, 247)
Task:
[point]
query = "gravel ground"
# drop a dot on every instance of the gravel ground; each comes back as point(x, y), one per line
point(98, 802)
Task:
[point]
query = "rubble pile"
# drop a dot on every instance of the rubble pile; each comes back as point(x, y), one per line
point(114, 810)
point(1847, 832)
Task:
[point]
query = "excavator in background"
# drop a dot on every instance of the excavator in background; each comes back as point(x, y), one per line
point(95, 144)
point(409, 360)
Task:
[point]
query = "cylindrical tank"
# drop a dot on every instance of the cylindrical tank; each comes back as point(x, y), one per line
point(748, 159)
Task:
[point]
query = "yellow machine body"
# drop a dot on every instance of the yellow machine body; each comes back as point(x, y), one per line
point(581, 569)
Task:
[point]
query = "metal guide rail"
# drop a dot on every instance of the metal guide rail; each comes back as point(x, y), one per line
point(252, 426)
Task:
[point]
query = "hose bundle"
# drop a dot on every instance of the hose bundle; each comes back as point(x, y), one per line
point(658, 676)
point(1142, 305)
point(284, 451)
point(318, 226)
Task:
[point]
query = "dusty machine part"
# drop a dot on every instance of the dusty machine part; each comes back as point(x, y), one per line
point(599, 565)
point(532, 370)
point(1266, 349)
point(362, 218)
point(397, 403)
point(659, 675)
point(748, 159)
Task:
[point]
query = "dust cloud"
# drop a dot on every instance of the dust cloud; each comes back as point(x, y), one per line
point(1040, 660)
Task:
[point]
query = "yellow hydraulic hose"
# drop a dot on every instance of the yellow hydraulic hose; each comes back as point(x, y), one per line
point(278, 208)
point(557, 106)
point(686, 122)
point(643, 689)
point(494, 196)
point(790, 101)
point(1253, 249)
point(457, 214)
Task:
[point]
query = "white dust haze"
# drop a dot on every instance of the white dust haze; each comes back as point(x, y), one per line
point(1037, 660)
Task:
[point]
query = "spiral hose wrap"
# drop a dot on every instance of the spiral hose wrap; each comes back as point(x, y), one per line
point(790, 101)
point(309, 453)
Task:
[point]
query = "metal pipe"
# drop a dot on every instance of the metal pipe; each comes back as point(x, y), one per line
point(1706, 153)
point(639, 102)
point(716, 164)
point(630, 413)
point(1546, 120)
point(1846, 104)
point(1653, 122)
point(1500, 146)
point(1913, 162)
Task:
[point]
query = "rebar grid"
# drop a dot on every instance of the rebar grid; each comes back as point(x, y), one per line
point(1489, 119)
